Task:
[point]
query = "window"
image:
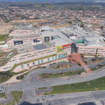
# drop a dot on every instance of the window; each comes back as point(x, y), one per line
point(60, 49)
point(46, 39)
point(22, 66)
point(28, 65)
point(42, 30)
point(66, 54)
point(55, 57)
point(33, 63)
point(39, 62)
point(52, 58)
point(48, 59)
point(42, 61)
point(61, 56)
point(18, 42)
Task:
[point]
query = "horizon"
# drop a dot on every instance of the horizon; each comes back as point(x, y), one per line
point(54, 0)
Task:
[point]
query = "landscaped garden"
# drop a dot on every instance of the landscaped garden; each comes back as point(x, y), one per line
point(3, 57)
point(2, 95)
point(4, 76)
point(21, 77)
point(59, 66)
point(94, 85)
point(96, 60)
point(3, 37)
point(17, 97)
point(50, 75)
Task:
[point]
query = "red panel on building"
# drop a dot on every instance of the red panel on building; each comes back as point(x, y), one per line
point(66, 46)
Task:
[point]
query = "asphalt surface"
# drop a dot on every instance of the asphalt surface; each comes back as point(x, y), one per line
point(66, 99)
point(8, 100)
point(31, 81)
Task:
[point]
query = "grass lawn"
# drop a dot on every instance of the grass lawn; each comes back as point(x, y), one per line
point(21, 77)
point(4, 76)
point(98, 84)
point(97, 60)
point(3, 95)
point(42, 88)
point(96, 68)
point(17, 97)
point(3, 38)
point(59, 66)
point(47, 75)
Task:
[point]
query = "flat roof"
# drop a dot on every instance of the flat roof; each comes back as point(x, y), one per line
point(48, 33)
point(39, 47)
point(30, 47)
point(80, 32)
point(28, 28)
point(59, 41)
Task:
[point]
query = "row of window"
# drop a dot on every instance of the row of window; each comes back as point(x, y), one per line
point(100, 49)
point(39, 62)
point(12, 60)
point(7, 67)
point(25, 55)
point(90, 48)
point(92, 51)
point(99, 53)
point(21, 58)
point(25, 32)
point(32, 56)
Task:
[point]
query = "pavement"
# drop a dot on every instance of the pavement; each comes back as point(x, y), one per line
point(75, 58)
point(39, 92)
point(66, 99)
point(32, 82)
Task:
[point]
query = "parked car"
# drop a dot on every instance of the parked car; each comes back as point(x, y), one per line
point(52, 95)
point(47, 96)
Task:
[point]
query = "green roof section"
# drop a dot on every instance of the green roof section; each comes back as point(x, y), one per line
point(79, 41)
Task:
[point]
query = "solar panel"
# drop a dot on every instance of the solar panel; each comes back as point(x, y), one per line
point(38, 47)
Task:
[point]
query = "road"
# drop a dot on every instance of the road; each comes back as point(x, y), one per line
point(9, 99)
point(31, 81)
point(65, 99)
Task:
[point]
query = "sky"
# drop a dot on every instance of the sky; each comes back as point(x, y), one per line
point(54, 0)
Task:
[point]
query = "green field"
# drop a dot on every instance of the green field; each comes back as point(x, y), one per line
point(3, 38)
point(47, 75)
point(98, 84)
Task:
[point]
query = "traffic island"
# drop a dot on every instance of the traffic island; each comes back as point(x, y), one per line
point(96, 60)
point(62, 74)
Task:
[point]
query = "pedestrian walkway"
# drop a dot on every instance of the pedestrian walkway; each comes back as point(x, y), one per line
point(76, 58)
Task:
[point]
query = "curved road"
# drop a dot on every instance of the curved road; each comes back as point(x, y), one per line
point(31, 81)
point(9, 99)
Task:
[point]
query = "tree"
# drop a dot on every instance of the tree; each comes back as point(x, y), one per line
point(101, 27)
point(70, 22)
